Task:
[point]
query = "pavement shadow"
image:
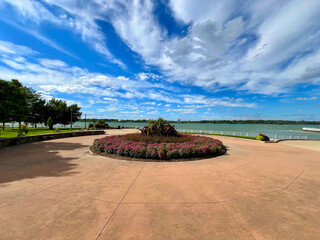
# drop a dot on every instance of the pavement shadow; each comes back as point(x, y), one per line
point(39, 159)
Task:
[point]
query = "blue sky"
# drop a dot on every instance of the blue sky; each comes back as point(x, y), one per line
point(175, 59)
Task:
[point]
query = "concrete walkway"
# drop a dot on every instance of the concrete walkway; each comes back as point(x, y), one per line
point(312, 145)
point(59, 190)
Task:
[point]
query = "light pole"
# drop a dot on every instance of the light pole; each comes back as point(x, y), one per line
point(71, 121)
point(85, 121)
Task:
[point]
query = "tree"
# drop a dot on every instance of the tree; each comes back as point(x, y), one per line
point(5, 102)
point(60, 112)
point(37, 107)
point(13, 104)
point(57, 110)
point(76, 114)
point(19, 105)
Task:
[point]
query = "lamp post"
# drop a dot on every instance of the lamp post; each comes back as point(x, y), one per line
point(85, 121)
point(71, 121)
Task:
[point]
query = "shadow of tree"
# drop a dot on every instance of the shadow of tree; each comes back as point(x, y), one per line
point(49, 159)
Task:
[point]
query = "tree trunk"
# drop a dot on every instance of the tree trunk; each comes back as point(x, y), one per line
point(51, 127)
point(3, 125)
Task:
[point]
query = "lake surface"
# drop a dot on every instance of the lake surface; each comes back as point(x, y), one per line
point(272, 130)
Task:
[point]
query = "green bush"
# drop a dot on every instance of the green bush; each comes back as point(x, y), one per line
point(101, 124)
point(50, 123)
point(262, 137)
point(22, 130)
point(259, 138)
point(90, 126)
point(159, 127)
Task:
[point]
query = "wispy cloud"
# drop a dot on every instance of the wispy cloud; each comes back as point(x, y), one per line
point(80, 22)
point(261, 49)
point(306, 98)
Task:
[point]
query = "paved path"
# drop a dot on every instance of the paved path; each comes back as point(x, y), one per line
point(59, 190)
point(312, 145)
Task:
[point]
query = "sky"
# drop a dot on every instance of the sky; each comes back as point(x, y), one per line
point(176, 59)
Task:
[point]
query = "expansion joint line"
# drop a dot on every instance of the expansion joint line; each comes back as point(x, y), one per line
point(106, 224)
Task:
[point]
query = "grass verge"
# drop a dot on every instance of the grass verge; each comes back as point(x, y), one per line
point(11, 133)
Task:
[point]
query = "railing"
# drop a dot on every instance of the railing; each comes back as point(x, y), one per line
point(271, 135)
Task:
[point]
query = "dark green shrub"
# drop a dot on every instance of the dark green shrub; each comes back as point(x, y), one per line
point(90, 126)
point(101, 124)
point(159, 127)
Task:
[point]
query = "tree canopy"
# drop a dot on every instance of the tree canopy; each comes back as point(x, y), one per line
point(22, 104)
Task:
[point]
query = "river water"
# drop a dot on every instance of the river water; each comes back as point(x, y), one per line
point(272, 130)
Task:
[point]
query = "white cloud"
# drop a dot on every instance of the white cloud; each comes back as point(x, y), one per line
point(53, 63)
point(132, 112)
point(152, 112)
point(12, 49)
point(148, 103)
point(201, 10)
point(108, 99)
point(205, 57)
point(52, 76)
point(306, 98)
point(144, 76)
point(183, 110)
point(109, 109)
point(80, 21)
point(213, 53)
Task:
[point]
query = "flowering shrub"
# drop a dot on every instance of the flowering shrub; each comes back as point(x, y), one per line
point(158, 139)
point(193, 147)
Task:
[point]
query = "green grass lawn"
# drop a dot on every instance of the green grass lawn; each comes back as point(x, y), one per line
point(10, 133)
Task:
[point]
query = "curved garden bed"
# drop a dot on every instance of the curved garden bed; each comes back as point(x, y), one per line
point(183, 147)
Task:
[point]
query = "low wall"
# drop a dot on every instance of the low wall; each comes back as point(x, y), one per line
point(43, 137)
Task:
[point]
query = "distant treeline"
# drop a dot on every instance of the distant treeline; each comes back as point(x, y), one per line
point(279, 122)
